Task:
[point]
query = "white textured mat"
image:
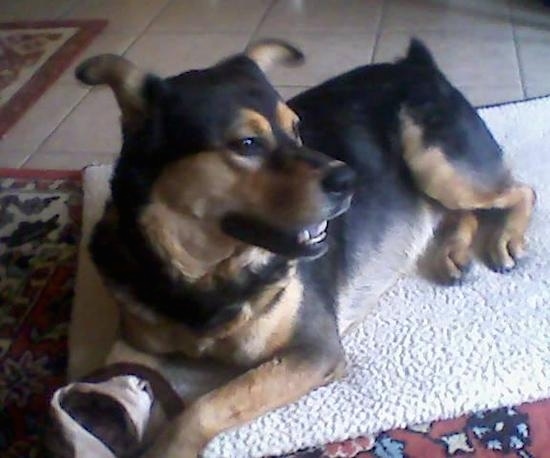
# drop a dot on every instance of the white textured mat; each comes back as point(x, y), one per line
point(426, 353)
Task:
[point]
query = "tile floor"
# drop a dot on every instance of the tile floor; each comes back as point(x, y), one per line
point(494, 50)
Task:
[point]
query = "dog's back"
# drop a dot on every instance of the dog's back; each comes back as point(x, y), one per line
point(390, 220)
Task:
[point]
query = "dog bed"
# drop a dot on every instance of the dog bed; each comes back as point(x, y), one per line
point(426, 352)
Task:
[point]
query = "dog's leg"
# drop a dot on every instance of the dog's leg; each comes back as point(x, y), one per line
point(454, 252)
point(275, 383)
point(458, 186)
point(507, 244)
point(444, 183)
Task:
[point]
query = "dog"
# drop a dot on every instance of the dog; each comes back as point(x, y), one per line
point(254, 232)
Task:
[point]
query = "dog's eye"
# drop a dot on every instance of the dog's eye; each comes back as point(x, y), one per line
point(248, 146)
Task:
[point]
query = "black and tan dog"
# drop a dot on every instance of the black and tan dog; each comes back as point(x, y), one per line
point(216, 242)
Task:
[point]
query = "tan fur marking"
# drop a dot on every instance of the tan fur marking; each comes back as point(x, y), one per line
point(440, 180)
point(275, 383)
point(436, 176)
point(214, 186)
point(455, 252)
point(202, 186)
point(251, 124)
point(124, 78)
point(268, 53)
point(466, 226)
point(250, 337)
point(508, 244)
point(287, 119)
point(190, 246)
point(270, 331)
point(265, 56)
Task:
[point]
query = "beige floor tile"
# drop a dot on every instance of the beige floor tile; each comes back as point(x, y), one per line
point(287, 92)
point(490, 16)
point(211, 16)
point(534, 56)
point(13, 158)
point(321, 16)
point(115, 43)
point(537, 90)
point(32, 10)
point(123, 15)
point(467, 59)
point(170, 54)
point(43, 117)
point(326, 55)
point(93, 126)
point(489, 95)
point(531, 13)
point(63, 160)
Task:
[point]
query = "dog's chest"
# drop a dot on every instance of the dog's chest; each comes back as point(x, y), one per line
point(248, 338)
point(375, 269)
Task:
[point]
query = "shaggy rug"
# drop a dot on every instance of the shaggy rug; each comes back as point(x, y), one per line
point(425, 353)
point(32, 56)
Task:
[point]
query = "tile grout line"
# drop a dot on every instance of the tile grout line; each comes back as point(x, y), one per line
point(378, 33)
point(54, 130)
point(261, 21)
point(60, 16)
point(79, 101)
point(521, 74)
point(153, 19)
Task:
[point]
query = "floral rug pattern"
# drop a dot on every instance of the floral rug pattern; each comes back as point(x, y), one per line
point(40, 215)
point(507, 432)
point(32, 56)
point(39, 230)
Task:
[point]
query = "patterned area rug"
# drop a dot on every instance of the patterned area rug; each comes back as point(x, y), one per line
point(522, 431)
point(39, 230)
point(32, 56)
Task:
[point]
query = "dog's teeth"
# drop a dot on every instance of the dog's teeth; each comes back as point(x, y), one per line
point(319, 238)
point(314, 235)
point(304, 236)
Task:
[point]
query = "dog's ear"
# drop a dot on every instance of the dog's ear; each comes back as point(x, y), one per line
point(268, 52)
point(132, 86)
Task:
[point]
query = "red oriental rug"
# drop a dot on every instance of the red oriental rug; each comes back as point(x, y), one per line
point(32, 56)
point(40, 215)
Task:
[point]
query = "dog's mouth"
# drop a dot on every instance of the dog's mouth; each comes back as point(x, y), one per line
point(313, 234)
point(307, 242)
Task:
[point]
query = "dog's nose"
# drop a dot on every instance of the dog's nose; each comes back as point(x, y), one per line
point(339, 179)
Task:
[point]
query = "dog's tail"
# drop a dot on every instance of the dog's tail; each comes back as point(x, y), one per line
point(419, 54)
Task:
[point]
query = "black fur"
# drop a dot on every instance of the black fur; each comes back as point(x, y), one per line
point(125, 258)
point(187, 114)
point(353, 118)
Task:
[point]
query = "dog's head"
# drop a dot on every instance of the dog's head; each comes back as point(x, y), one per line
point(219, 149)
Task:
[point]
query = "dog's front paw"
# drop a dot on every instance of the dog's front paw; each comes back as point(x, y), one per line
point(454, 260)
point(174, 448)
point(181, 438)
point(505, 249)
